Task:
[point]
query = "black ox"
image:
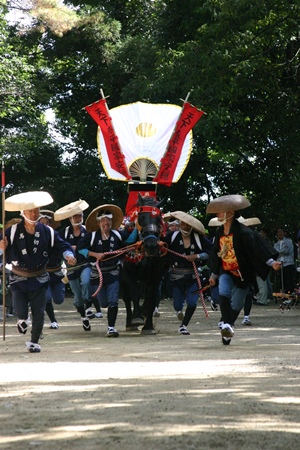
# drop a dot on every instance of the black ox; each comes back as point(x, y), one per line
point(142, 272)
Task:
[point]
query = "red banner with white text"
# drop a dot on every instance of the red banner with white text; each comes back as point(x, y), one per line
point(99, 112)
point(188, 118)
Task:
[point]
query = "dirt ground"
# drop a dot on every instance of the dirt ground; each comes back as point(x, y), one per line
point(163, 392)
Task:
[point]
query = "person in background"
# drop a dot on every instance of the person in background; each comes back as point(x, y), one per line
point(173, 225)
point(250, 222)
point(170, 225)
point(190, 242)
point(56, 288)
point(298, 261)
point(285, 247)
point(104, 236)
point(265, 289)
point(79, 277)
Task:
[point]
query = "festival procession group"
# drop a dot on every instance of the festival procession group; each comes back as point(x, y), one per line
point(41, 255)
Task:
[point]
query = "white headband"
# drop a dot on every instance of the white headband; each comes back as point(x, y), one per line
point(42, 216)
point(109, 216)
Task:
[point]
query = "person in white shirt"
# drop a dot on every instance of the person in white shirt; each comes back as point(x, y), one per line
point(285, 247)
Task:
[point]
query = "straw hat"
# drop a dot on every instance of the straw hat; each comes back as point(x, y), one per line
point(214, 222)
point(11, 222)
point(190, 220)
point(70, 210)
point(251, 221)
point(167, 217)
point(50, 215)
point(92, 224)
point(226, 203)
point(27, 200)
point(170, 219)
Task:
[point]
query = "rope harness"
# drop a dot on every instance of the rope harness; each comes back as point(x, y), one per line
point(140, 253)
point(112, 255)
point(138, 247)
point(151, 227)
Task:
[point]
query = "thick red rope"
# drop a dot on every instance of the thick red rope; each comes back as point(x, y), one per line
point(116, 253)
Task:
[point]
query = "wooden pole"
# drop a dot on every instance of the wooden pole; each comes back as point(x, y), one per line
point(3, 255)
point(186, 98)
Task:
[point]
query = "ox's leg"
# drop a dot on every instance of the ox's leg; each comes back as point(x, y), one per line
point(125, 289)
point(131, 295)
point(148, 308)
point(127, 301)
point(135, 297)
point(152, 292)
point(156, 269)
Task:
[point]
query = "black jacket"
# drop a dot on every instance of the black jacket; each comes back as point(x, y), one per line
point(251, 250)
point(175, 243)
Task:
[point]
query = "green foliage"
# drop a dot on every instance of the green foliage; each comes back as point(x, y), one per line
point(238, 58)
point(21, 120)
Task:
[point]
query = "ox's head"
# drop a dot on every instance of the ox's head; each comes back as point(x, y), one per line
point(150, 222)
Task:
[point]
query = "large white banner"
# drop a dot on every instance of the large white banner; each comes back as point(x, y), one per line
point(144, 131)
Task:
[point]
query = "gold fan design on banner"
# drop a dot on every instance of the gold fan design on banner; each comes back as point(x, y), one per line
point(145, 129)
point(143, 169)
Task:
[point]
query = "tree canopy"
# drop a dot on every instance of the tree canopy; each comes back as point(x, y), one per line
point(239, 60)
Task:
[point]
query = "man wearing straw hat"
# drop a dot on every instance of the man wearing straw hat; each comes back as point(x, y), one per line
point(104, 236)
point(190, 242)
point(28, 246)
point(239, 254)
point(79, 277)
point(56, 288)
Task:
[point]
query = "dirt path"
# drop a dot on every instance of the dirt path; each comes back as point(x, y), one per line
point(163, 392)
